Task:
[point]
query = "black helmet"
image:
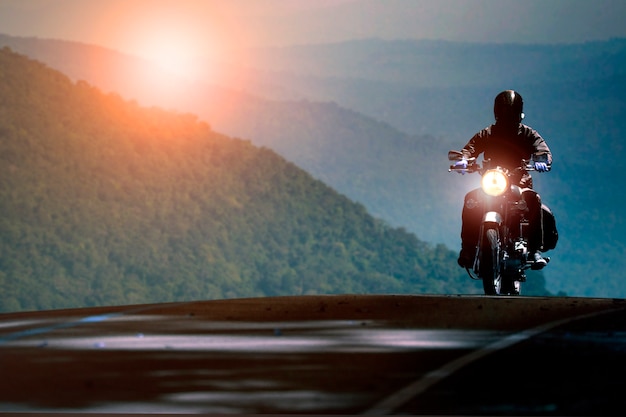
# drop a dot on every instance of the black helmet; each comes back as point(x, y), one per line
point(508, 107)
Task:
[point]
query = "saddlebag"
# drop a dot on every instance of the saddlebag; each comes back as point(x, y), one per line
point(550, 234)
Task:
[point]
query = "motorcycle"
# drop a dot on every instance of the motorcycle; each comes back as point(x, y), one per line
point(502, 254)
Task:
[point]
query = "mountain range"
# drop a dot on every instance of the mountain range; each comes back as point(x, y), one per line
point(374, 120)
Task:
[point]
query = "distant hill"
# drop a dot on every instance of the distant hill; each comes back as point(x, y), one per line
point(443, 64)
point(107, 202)
point(419, 86)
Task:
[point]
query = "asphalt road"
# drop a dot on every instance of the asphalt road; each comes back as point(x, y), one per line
point(344, 354)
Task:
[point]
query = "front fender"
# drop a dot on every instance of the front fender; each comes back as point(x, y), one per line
point(492, 217)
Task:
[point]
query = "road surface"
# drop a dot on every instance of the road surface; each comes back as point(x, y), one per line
point(337, 354)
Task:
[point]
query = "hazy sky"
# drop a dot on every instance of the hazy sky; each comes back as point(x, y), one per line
point(191, 27)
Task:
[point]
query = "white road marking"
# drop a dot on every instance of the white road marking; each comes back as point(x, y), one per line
point(389, 404)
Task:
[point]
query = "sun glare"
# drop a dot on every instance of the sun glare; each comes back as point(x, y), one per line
point(187, 40)
point(171, 40)
point(172, 53)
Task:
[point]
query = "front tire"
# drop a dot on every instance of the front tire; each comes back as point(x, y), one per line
point(490, 261)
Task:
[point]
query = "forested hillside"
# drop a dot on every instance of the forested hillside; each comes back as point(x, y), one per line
point(107, 202)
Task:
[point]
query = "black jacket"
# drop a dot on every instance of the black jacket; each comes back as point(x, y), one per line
point(507, 146)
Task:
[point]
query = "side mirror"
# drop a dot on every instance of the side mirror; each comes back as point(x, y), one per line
point(455, 155)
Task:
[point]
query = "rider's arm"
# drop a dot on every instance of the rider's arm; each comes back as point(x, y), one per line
point(540, 147)
point(475, 146)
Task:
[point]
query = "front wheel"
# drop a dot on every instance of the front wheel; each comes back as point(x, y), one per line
point(489, 268)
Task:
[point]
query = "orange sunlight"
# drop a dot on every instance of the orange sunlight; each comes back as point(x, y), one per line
point(176, 37)
point(172, 45)
point(191, 45)
point(172, 52)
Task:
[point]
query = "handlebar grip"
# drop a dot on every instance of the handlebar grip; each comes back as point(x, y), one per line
point(531, 167)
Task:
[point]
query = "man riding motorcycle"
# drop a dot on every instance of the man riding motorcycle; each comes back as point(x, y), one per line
point(506, 143)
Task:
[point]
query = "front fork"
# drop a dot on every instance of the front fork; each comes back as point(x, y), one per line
point(490, 218)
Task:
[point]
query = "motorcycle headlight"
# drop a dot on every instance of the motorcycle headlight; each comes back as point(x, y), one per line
point(494, 182)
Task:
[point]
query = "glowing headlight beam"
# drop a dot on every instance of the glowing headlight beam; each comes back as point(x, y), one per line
point(494, 182)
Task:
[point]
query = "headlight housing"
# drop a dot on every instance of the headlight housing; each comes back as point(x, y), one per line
point(495, 182)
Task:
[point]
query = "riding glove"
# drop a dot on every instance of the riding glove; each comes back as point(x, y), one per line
point(541, 167)
point(461, 166)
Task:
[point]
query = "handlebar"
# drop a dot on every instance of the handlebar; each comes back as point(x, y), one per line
point(530, 166)
point(473, 166)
